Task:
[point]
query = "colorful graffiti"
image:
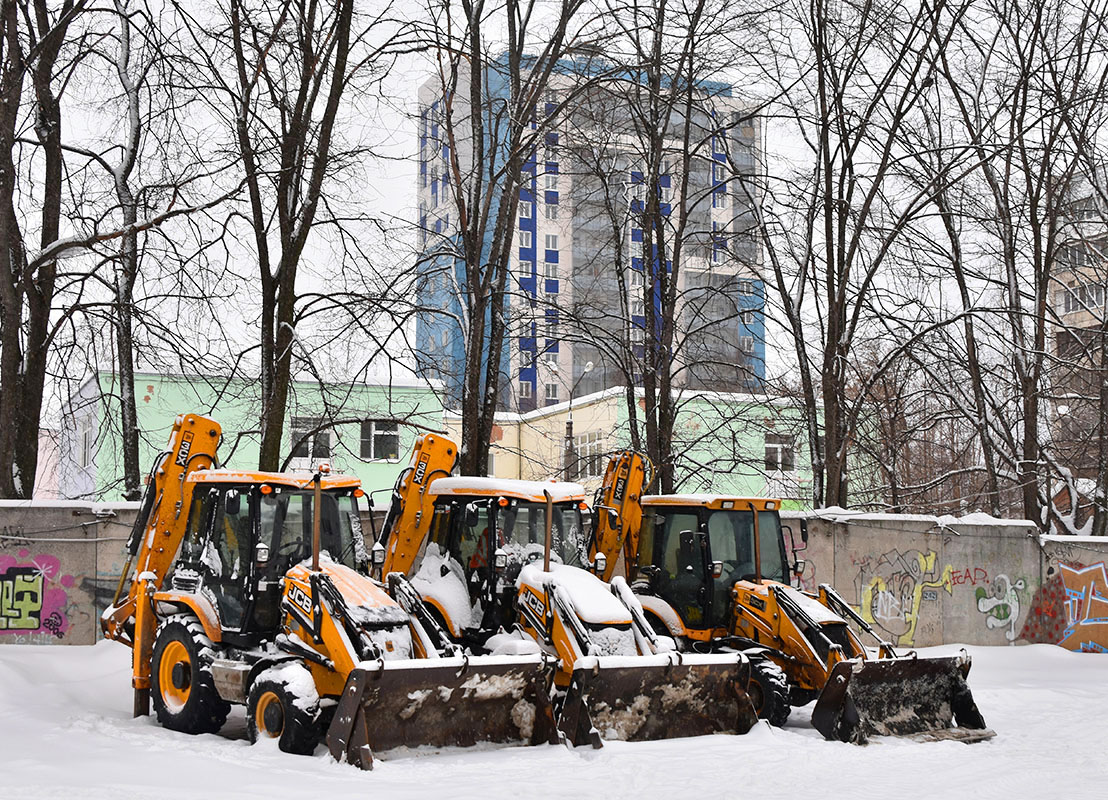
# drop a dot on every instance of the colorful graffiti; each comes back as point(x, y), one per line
point(1001, 606)
point(891, 590)
point(1086, 608)
point(1071, 608)
point(33, 595)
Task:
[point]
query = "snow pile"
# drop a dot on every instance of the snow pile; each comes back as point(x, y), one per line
point(66, 732)
point(593, 599)
point(442, 579)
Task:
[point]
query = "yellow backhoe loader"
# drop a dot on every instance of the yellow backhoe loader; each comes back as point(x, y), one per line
point(252, 588)
point(499, 565)
point(712, 571)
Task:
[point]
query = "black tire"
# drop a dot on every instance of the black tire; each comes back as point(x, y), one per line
point(280, 705)
point(182, 689)
point(769, 692)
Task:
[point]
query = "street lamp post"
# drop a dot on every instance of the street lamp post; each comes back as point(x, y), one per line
point(570, 456)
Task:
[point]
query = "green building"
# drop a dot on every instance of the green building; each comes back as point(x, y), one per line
point(370, 427)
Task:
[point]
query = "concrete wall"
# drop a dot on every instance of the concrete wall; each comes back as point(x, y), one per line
point(920, 580)
point(976, 580)
point(59, 566)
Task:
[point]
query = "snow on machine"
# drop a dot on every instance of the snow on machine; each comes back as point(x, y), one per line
point(712, 571)
point(498, 564)
point(252, 588)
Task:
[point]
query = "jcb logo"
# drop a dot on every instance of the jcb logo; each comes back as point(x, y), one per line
point(421, 468)
point(535, 603)
point(300, 598)
point(182, 458)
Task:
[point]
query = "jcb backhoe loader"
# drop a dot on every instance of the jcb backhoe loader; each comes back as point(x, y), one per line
point(499, 565)
point(712, 571)
point(251, 588)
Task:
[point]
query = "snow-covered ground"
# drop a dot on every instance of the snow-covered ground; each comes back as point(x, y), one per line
point(66, 732)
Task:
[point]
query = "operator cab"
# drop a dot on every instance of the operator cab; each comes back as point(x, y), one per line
point(477, 518)
point(246, 530)
point(694, 548)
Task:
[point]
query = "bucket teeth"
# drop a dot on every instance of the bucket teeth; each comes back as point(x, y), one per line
point(913, 697)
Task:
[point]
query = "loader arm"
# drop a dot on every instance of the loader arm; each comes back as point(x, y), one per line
point(163, 517)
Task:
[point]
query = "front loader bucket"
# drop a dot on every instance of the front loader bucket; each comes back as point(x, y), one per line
point(916, 697)
point(656, 697)
point(442, 702)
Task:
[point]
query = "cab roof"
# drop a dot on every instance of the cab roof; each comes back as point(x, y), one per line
point(499, 487)
point(298, 480)
point(715, 501)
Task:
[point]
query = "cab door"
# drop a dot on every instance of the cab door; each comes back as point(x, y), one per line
point(682, 559)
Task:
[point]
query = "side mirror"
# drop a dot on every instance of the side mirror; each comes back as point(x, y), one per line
point(800, 566)
point(261, 553)
point(717, 569)
point(377, 554)
point(804, 530)
point(231, 502)
point(500, 560)
point(471, 515)
point(600, 563)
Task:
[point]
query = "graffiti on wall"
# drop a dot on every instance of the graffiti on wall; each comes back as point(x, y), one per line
point(1001, 604)
point(33, 595)
point(892, 588)
point(1071, 609)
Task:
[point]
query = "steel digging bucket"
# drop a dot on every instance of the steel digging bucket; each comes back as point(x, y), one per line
point(920, 698)
point(656, 697)
point(442, 702)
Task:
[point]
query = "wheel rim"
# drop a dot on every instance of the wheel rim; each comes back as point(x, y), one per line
point(175, 693)
point(269, 716)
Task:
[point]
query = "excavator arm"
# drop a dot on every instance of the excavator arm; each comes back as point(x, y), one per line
point(409, 517)
point(618, 512)
point(162, 521)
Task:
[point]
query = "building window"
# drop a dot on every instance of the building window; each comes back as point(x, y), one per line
point(86, 442)
point(552, 393)
point(551, 181)
point(719, 199)
point(527, 359)
point(308, 442)
point(636, 294)
point(589, 457)
point(779, 453)
point(637, 334)
point(525, 390)
point(491, 465)
point(746, 287)
point(1085, 297)
point(380, 439)
point(525, 240)
point(551, 241)
point(526, 268)
point(746, 344)
point(549, 356)
point(747, 316)
point(551, 211)
point(550, 270)
point(525, 209)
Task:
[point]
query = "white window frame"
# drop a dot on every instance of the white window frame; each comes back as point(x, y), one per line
point(746, 345)
point(525, 390)
point(525, 240)
point(550, 270)
point(526, 209)
point(552, 392)
point(551, 241)
point(550, 211)
point(378, 428)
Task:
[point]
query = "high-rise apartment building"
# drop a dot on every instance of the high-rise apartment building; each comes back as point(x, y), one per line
point(578, 265)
